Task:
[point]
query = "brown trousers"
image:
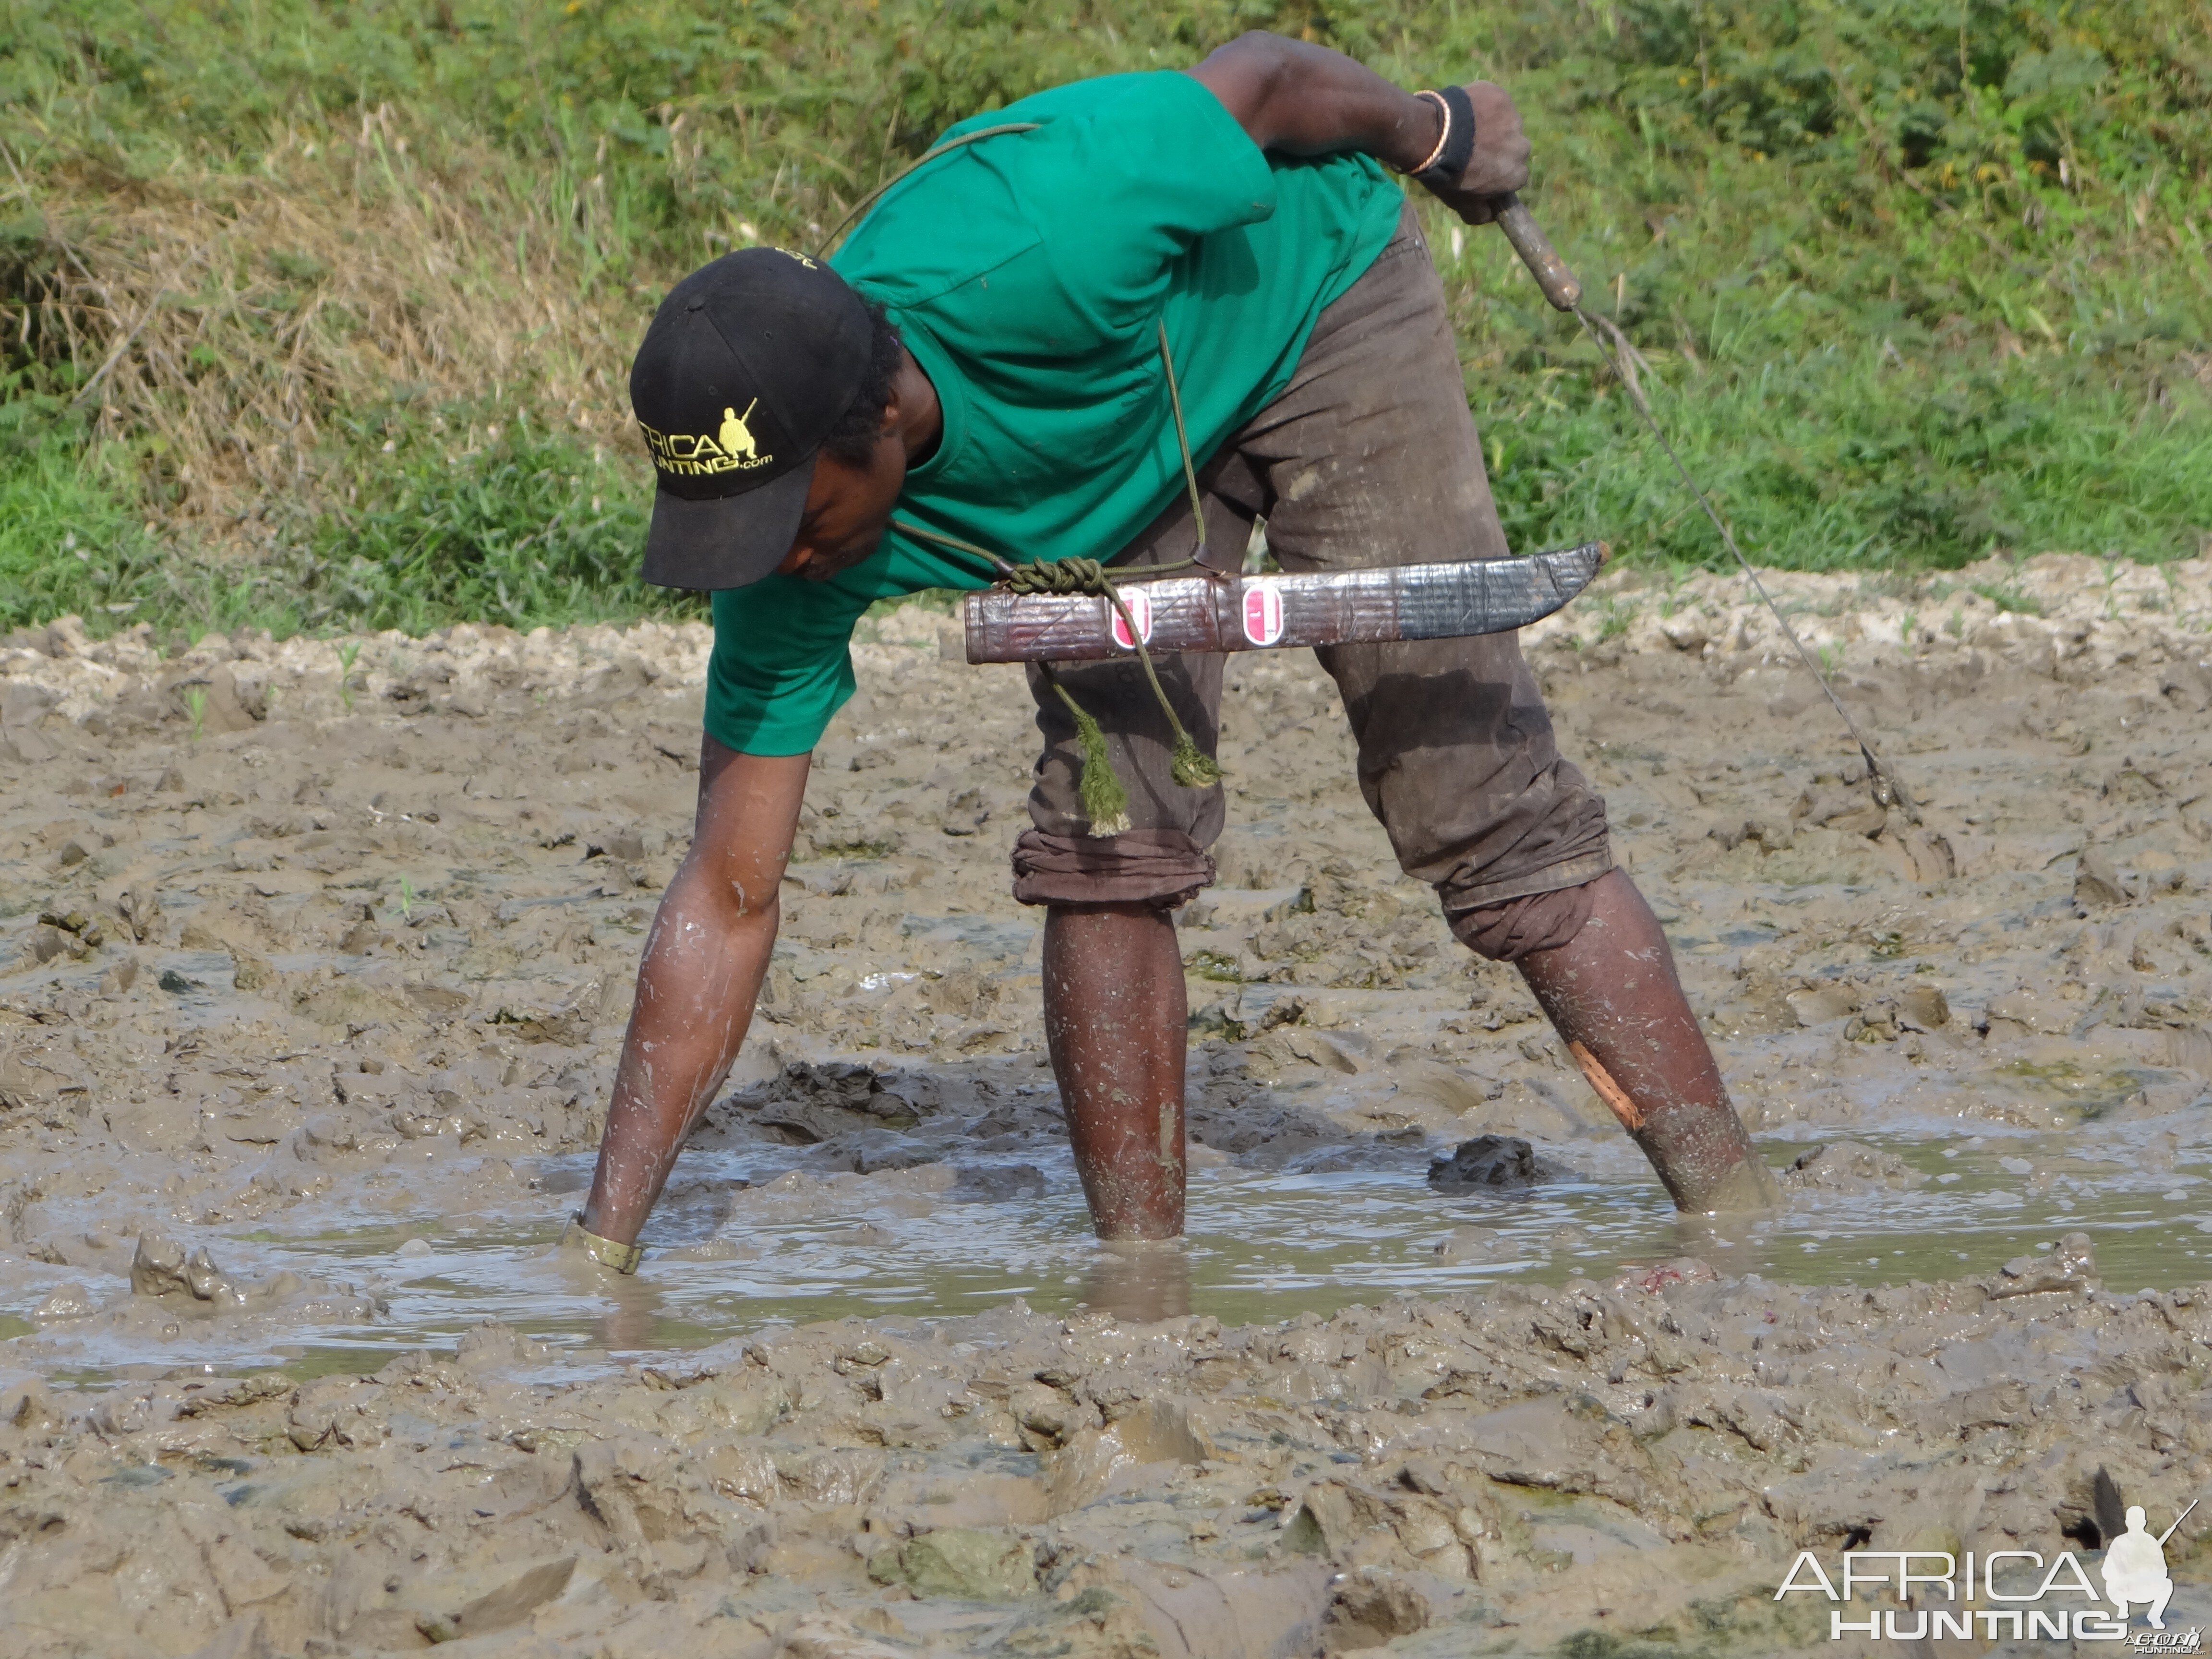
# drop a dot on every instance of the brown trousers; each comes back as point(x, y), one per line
point(1369, 457)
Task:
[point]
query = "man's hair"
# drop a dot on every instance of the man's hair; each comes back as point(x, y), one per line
point(852, 438)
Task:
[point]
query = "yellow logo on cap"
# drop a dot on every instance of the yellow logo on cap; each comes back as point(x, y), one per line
point(735, 437)
point(732, 449)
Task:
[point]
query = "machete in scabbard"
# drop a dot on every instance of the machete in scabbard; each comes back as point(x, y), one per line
point(1210, 612)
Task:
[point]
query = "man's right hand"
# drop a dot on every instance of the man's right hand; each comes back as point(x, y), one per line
point(1500, 164)
point(705, 958)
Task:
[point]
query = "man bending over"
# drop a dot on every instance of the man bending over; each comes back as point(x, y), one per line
point(984, 373)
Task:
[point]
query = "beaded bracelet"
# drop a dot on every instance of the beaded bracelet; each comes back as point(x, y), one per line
point(1455, 144)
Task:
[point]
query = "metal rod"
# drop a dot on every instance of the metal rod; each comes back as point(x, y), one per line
point(2177, 1520)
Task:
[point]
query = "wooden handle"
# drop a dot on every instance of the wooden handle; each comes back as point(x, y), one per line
point(1560, 285)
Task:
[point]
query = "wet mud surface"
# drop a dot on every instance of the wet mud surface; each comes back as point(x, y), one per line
point(310, 993)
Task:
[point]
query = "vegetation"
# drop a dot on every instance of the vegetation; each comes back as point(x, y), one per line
point(320, 315)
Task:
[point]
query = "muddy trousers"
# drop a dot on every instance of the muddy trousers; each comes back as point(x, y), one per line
point(1368, 458)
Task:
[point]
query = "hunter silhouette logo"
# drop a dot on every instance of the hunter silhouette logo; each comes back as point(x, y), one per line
point(736, 437)
point(2134, 1567)
point(731, 449)
point(2015, 1593)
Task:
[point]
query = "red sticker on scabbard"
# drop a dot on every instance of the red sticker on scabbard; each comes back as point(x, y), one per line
point(1263, 612)
point(1140, 611)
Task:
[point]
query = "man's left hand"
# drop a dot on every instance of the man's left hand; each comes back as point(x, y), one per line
point(1500, 164)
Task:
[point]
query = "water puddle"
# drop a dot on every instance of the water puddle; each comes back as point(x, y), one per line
point(762, 1236)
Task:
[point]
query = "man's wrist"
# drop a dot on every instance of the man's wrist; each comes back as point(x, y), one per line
point(1442, 169)
point(1419, 140)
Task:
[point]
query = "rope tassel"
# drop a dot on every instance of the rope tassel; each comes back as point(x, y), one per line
point(1192, 768)
point(1105, 798)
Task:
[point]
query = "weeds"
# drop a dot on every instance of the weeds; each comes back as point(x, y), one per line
point(68, 538)
point(1214, 965)
point(2010, 601)
point(196, 706)
point(1824, 463)
point(348, 651)
point(506, 522)
point(1618, 616)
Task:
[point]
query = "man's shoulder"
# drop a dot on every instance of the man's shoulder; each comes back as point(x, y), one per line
point(1105, 171)
point(1116, 95)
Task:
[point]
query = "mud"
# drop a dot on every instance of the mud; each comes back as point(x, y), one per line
point(311, 994)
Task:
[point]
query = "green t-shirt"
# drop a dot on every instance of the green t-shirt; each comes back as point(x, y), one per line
point(1029, 273)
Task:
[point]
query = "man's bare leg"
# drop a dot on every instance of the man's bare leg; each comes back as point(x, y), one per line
point(1114, 1013)
point(1613, 993)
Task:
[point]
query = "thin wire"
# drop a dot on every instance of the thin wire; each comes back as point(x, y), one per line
point(930, 155)
point(1887, 790)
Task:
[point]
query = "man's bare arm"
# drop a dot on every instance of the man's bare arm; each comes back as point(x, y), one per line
point(1302, 99)
point(704, 962)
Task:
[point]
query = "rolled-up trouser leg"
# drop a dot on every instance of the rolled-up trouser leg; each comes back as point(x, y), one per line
point(1370, 456)
point(1162, 858)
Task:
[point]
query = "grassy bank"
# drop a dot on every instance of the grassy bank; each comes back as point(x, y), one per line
point(320, 315)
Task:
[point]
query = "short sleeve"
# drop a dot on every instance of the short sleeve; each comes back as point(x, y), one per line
point(782, 663)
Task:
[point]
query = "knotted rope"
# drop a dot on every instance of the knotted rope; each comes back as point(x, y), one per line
point(1191, 767)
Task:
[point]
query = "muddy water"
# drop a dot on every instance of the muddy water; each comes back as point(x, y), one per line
point(1264, 1246)
point(359, 976)
point(309, 1006)
point(348, 974)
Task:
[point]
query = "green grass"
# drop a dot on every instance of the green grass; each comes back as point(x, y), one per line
point(498, 521)
point(65, 532)
point(1830, 460)
point(1916, 279)
point(485, 521)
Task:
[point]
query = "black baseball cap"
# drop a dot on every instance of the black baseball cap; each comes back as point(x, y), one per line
point(747, 365)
